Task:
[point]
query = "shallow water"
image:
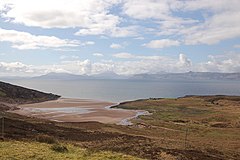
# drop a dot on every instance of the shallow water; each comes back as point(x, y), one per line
point(127, 121)
point(66, 110)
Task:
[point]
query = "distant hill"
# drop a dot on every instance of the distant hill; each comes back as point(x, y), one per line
point(108, 75)
point(12, 94)
point(61, 76)
point(68, 76)
point(188, 76)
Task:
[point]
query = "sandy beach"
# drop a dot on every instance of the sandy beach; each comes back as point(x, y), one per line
point(76, 110)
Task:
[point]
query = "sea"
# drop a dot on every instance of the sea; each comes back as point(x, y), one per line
point(126, 90)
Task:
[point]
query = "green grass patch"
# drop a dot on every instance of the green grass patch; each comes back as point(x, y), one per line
point(59, 148)
point(18, 150)
point(2, 94)
point(46, 139)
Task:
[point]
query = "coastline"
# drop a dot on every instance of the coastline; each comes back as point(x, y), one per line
point(79, 110)
point(127, 121)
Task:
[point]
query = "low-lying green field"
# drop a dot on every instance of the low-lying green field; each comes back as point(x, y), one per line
point(20, 150)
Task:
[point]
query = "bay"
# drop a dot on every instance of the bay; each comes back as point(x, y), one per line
point(125, 90)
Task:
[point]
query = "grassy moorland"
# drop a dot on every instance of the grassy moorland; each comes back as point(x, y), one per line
point(210, 124)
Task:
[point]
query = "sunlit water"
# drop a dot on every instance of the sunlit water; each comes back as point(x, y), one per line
point(123, 90)
point(75, 110)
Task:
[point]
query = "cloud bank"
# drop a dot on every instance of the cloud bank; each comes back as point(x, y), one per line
point(133, 65)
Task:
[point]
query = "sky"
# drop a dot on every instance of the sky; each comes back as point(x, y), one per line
point(122, 36)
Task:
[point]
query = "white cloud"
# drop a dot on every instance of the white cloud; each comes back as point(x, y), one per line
point(73, 66)
point(184, 61)
point(137, 65)
point(218, 22)
point(158, 12)
point(100, 67)
point(68, 57)
point(221, 22)
point(60, 13)
point(88, 43)
point(129, 31)
point(15, 68)
point(215, 6)
point(220, 19)
point(66, 49)
point(77, 66)
point(139, 38)
point(145, 9)
point(150, 64)
point(98, 29)
point(162, 43)
point(112, 31)
point(92, 17)
point(24, 40)
point(215, 21)
point(116, 46)
point(221, 63)
point(126, 55)
point(219, 27)
point(123, 55)
point(98, 54)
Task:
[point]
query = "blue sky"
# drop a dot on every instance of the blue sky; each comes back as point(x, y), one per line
point(122, 36)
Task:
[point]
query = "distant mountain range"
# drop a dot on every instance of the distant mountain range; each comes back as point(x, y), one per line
point(60, 76)
point(68, 76)
point(154, 77)
point(188, 76)
point(109, 75)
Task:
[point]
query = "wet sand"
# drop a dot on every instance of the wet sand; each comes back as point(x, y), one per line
point(77, 110)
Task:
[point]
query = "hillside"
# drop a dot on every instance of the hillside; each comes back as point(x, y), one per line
point(10, 95)
point(202, 123)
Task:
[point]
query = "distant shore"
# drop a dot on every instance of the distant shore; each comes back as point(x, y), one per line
point(78, 110)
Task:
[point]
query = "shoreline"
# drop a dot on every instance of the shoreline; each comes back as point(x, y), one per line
point(127, 121)
point(79, 110)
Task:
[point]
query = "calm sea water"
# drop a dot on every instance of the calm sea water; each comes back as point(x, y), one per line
point(123, 90)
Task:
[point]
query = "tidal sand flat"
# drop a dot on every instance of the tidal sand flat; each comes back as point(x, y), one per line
point(77, 110)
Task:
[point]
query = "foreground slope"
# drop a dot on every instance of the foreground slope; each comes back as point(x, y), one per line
point(18, 150)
